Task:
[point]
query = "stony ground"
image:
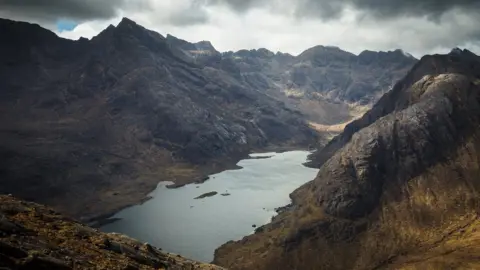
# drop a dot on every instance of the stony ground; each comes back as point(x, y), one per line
point(36, 237)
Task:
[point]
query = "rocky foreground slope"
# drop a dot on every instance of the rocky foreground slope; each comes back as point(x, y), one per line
point(398, 189)
point(98, 123)
point(33, 237)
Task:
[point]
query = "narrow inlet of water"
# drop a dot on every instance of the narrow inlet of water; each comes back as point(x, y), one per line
point(177, 222)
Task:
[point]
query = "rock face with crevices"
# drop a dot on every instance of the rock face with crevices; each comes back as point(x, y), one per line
point(463, 62)
point(319, 82)
point(33, 236)
point(398, 189)
point(444, 109)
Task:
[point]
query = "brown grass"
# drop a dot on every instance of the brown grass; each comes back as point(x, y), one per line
point(54, 236)
point(431, 222)
point(328, 128)
point(329, 131)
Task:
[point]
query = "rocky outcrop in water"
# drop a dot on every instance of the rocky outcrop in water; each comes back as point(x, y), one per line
point(206, 195)
point(398, 189)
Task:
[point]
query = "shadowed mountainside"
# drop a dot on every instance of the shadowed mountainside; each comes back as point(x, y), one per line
point(398, 189)
point(98, 123)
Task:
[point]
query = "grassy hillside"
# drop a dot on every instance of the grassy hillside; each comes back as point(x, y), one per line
point(401, 193)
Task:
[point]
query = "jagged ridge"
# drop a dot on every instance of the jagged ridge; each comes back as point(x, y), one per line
point(318, 82)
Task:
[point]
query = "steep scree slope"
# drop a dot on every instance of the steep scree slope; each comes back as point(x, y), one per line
point(398, 189)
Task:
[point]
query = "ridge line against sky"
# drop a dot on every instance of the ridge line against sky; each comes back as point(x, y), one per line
point(416, 26)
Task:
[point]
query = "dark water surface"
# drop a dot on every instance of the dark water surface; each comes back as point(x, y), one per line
point(176, 222)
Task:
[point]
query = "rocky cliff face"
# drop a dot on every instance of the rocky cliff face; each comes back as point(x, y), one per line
point(399, 99)
point(341, 76)
point(35, 237)
point(319, 82)
point(398, 189)
point(99, 122)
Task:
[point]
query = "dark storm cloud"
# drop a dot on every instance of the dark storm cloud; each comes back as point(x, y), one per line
point(51, 10)
point(48, 12)
point(329, 9)
point(323, 9)
point(432, 9)
point(416, 25)
point(238, 5)
point(192, 15)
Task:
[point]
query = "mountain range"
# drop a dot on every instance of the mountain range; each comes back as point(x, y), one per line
point(321, 82)
point(98, 123)
point(92, 126)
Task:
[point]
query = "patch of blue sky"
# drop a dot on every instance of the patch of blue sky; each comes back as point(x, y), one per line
point(66, 25)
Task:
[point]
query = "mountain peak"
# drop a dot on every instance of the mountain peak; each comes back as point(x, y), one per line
point(126, 25)
point(127, 21)
point(205, 45)
point(402, 52)
point(322, 52)
point(463, 53)
point(325, 48)
point(395, 56)
point(394, 52)
point(456, 50)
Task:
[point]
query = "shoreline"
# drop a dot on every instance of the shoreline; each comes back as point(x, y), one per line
point(102, 219)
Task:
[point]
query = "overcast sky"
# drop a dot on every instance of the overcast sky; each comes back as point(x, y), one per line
point(416, 26)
